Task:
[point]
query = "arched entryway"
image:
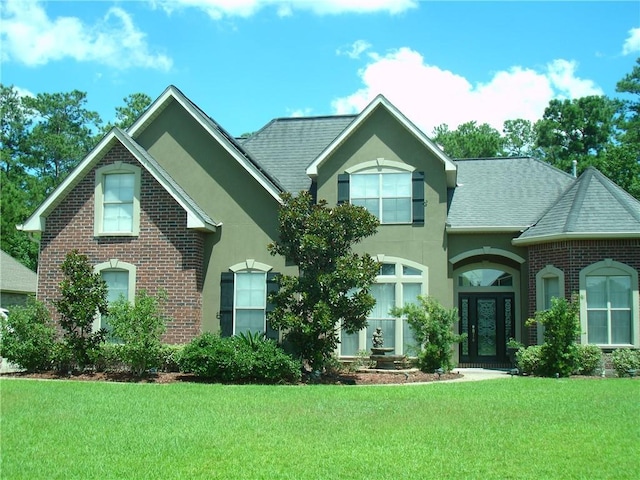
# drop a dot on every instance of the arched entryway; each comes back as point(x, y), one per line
point(487, 307)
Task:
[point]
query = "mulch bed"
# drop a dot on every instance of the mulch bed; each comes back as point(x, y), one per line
point(355, 378)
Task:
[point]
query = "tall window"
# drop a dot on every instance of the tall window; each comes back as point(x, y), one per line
point(120, 278)
point(117, 193)
point(609, 290)
point(399, 282)
point(250, 301)
point(549, 284)
point(385, 195)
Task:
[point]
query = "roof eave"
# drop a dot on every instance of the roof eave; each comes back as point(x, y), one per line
point(558, 237)
point(488, 229)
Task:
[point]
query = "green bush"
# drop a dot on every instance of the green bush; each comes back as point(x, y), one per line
point(559, 353)
point(432, 326)
point(529, 360)
point(236, 359)
point(27, 337)
point(108, 358)
point(139, 326)
point(170, 357)
point(625, 359)
point(589, 359)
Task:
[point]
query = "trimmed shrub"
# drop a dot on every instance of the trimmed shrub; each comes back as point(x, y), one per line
point(529, 360)
point(108, 358)
point(27, 337)
point(236, 359)
point(625, 359)
point(589, 359)
point(170, 357)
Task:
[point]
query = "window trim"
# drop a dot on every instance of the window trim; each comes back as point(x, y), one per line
point(250, 266)
point(117, 265)
point(549, 271)
point(101, 173)
point(609, 267)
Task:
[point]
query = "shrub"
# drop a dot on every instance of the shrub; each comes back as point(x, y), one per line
point(529, 360)
point(27, 336)
point(432, 326)
point(562, 326)
point(170, 357)
point(139, 327)
point(108, 358)
point(234, 359)
point(589, 359)
point(625, 359)
point(83, 295)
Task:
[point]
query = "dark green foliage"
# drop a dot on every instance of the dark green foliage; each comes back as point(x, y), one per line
point(234, 359)
point(334, 284)
point(529, 360)
point(625, 359)
point(107, 358)
point(432, 326)
point(562, 326)
point(139, 327)
point(469, 140)
point(589, 359)
point(170, 357)
point(83, 296)
point(27, 337)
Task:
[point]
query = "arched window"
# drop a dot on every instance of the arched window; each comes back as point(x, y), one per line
point(609, 304)
point(549, 284)
point(120, 278)
point(399, 282)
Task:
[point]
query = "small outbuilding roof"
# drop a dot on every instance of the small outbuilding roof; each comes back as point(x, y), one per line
point(15, 277)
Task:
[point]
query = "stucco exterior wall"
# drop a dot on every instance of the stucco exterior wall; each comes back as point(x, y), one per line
point(166, 254)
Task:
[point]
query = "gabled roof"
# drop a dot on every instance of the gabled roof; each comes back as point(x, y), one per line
point(381, 102)
point(227, 141)
point(593, 207)
point(15, 277)
point(287, 146)
point(197, 218)
point(503, 194)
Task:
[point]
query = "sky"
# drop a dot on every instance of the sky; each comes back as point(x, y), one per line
point(245, 62)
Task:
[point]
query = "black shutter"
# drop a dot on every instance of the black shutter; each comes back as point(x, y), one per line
point(272, 286)
point(343, 188)
point(418, 198)
point(226, 304)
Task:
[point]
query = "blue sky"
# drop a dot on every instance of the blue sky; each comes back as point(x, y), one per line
point(245, 62)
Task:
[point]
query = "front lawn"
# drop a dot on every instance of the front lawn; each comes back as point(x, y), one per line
point(496, 429)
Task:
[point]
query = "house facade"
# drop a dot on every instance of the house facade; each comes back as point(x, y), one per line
point(176, 203)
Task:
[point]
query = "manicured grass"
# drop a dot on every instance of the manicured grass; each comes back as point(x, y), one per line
point(496, 429)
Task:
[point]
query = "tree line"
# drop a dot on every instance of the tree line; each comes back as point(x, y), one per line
point(43, 138)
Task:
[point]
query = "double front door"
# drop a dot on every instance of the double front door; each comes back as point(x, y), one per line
point(488, 321)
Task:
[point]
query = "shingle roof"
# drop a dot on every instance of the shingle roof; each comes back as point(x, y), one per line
point(504, 193)
point(286, 146)
point(15, 277)
point(593, 206)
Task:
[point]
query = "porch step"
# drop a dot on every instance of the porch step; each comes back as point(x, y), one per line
point(485, 365)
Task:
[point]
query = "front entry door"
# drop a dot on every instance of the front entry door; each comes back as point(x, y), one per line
point(488, 321)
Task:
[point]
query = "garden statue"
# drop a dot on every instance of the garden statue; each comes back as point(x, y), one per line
point(378, 340)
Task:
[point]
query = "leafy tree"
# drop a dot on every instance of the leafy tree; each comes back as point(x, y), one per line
point(140, 327)
point(469, 140)
point(61, 136)
point(630, 119)
point(432, 326)
point(333, 285)
point(578, 129)
point(519, 138)
point(135, 105)
point(559, 352)
point(83, 296)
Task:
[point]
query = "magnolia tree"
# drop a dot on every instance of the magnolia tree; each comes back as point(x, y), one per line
point(333, 285)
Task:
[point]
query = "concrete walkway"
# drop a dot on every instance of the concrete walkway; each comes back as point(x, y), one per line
point(475, 374)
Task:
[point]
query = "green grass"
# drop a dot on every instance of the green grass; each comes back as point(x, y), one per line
point(496, 429)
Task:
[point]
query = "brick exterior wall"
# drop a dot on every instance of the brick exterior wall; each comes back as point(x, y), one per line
point(166, 254)
point(571, 257)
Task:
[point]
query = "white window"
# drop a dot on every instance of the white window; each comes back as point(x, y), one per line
point(250, 301)
point(549, 284)
point(609, 304)
point(120, 278)
point(399, 282)
point(117, 206)
point(385, 195)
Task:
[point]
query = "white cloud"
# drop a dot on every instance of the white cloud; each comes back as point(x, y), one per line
point(29, 36)
point(429, 95)
point(354, 50)
point(218, 9)
point(632, 43)
point(300, 112)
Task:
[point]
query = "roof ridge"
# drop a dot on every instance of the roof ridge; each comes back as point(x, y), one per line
point(621, 195)
point(582, 186)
